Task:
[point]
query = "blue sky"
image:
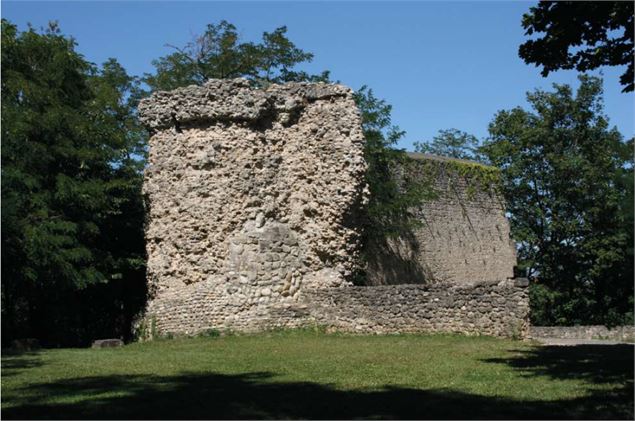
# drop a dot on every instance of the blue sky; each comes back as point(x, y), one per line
point(440, 64)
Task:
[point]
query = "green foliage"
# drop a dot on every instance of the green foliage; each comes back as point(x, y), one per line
point(393, 192)
point(604, 29)
point(459, 145)
point(483, 177)
point(566, 182)
point(219, 54)
point(478, 177)
point(452, 143)
point(210, 333)
point(72, 216)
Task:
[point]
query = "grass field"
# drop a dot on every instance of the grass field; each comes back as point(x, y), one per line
point(301, 374)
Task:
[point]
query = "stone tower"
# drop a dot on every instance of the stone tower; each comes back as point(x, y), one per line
point(252, 197)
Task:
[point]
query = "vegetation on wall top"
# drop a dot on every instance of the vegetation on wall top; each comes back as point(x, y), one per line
point(476, 177)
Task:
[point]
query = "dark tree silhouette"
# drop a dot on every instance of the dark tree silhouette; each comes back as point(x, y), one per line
point(72, 215)
point(580, 35)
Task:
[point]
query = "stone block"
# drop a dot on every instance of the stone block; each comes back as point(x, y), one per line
point(107, 343)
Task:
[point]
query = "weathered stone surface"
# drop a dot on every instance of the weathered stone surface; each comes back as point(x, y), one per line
point(438, 307)
point(497, 309)
point(107, 343)
point(252, 193)
point(235, 100)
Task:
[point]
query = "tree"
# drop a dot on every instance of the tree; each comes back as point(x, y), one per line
point(391, 199)
point(72, 216)
point(452, 143)
point(219, 54)
point(564, 179)
point(581, 34)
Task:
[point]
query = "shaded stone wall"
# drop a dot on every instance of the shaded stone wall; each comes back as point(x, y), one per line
point(464, 236)
point(617, 333)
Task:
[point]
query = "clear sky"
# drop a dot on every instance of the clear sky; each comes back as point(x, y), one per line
point(440, 64)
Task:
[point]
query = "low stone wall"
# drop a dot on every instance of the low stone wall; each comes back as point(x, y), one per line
point(619, 333)
point(497, 309)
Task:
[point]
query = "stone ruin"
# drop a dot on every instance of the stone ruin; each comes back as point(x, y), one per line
point(463, 238)
point(254, 196)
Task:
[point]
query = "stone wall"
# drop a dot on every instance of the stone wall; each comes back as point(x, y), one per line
point(253, 198)
point(497, 309)
point(464, 236)
point(252, 194)
point(618, 333)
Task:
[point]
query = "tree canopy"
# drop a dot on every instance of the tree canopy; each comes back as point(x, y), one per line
point(219, 54)
point(72, 215)
point(582, 35)
point(452, 143)
point(391, 199)
point(565, 179)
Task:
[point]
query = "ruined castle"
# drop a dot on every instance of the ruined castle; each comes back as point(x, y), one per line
point(254, 196)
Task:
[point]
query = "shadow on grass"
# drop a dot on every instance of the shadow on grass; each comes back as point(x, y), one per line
point(596, 364)
point(259, 395)
point(14, 361)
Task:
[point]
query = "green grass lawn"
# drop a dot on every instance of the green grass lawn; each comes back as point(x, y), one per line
point(301, 374)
